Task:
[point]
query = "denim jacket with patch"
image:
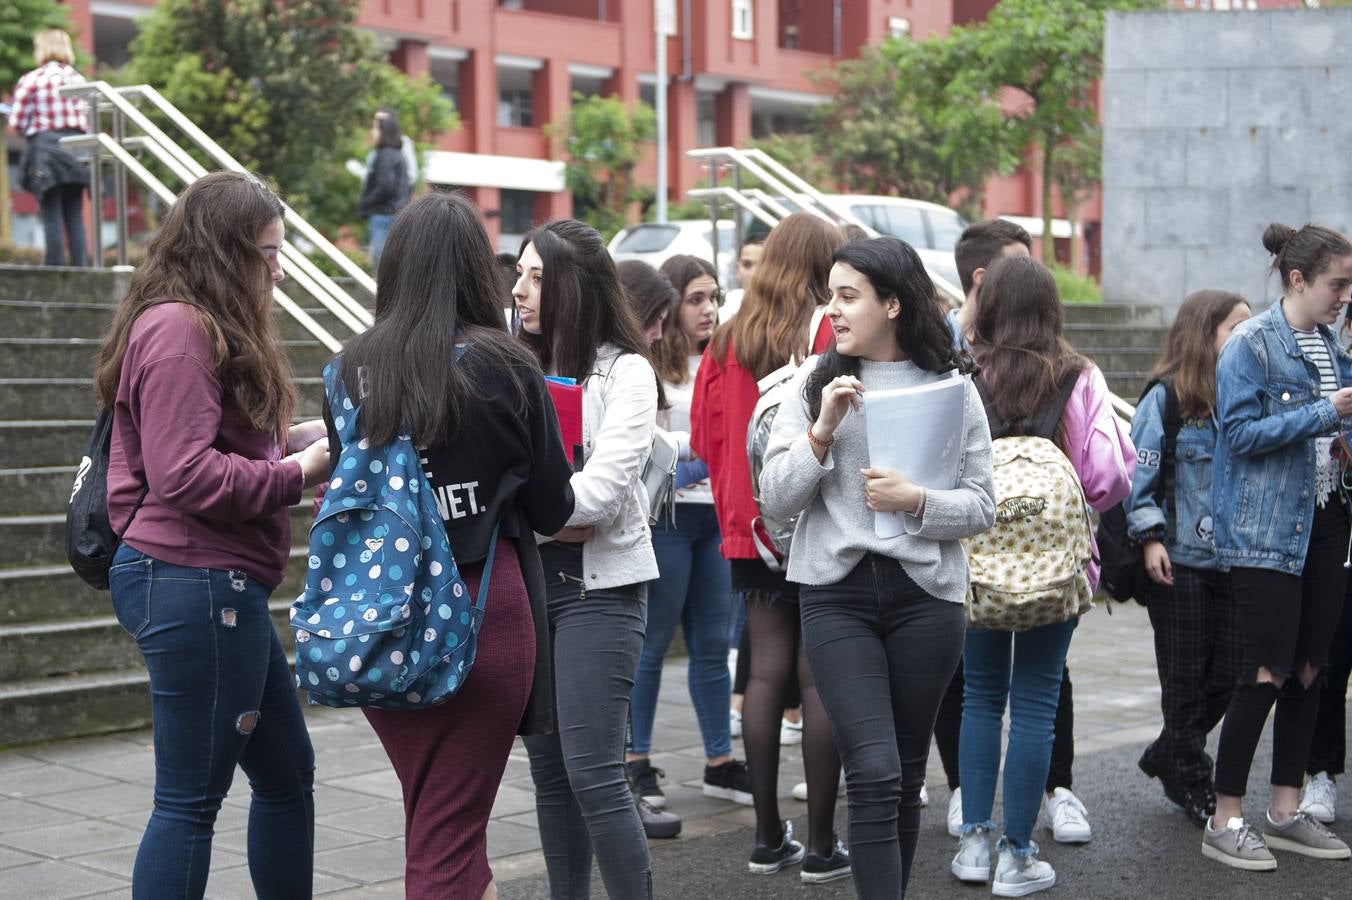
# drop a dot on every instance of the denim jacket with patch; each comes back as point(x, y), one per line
point(1186, 516)
point(1269, 409)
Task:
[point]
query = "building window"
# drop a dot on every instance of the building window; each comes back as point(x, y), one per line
point(899, 27)
point(743, 26)
point(515, 98)
point(517, 211)
point(706, 131)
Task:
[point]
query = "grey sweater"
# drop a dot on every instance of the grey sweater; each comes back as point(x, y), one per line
point(835, 529)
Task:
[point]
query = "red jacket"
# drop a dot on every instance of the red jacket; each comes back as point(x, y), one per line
point(720, 410)
point(725, 396)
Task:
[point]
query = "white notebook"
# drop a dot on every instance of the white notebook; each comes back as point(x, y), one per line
point(916, 432)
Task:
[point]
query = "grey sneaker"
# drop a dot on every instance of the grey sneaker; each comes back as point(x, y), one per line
point(1303, 834)
point(1019, 876)
point(973, 862)
point(1237, 845)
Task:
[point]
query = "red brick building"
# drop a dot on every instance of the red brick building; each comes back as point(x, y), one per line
point(735, 69)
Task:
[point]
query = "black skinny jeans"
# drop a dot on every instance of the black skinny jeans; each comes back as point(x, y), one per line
point(882, 651)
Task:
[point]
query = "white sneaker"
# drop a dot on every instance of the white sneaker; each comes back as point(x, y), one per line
point(1319, 798)
point(1067, 814)
point(790, 733)
point(955, 813)
point(973, 860)
point(924, 796)
point(800, 790)
point(1019, 876)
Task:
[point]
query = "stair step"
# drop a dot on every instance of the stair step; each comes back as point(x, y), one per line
point(49, 649)
point(73, 398)
point(63, 284)
point(1124, 360)
point(1092, 339)
point(51, 319)
point(25, 490)
point(1113, 314)
point(74, 357)
point(30, 443)
point(54, 593)
point(39, 540)
point(45, 709)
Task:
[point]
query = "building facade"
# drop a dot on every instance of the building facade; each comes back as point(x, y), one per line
point(736, 69)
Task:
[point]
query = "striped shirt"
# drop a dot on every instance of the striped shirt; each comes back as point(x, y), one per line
point(1316, 351)
point(39, 105)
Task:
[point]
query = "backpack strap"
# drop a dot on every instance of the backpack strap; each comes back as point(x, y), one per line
point(1044, 425)
point(1046, 422)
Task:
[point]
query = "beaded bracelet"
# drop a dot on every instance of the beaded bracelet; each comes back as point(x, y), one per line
point(816, 441)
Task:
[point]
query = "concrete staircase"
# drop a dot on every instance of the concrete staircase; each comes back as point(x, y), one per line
point(1125, 341)
point(66, 667)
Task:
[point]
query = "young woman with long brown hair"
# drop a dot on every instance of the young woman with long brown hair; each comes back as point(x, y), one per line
point(770, 330)
point(694, 590)
point(199, 486)
point(1169, 512)
point(574, 314)
point(1026, 365)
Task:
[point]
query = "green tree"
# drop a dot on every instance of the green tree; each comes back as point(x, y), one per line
point(287, 87)
point(889, 128)
point(603, 140)
point(1050, 51)
point(19, 21)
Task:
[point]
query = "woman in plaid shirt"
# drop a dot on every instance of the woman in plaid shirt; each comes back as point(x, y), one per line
point(49, 172)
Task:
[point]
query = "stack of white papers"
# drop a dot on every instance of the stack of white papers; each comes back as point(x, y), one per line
point(916, 432)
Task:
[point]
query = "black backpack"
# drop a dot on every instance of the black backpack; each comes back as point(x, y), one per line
point(1122, 558)
point(90, 538)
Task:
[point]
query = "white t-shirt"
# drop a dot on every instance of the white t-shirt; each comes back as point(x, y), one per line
point(676, 419)
point(1314, 348)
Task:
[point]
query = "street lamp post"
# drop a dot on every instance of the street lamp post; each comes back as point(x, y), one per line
point(664, 15)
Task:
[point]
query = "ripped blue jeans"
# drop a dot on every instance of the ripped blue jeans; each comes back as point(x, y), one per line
point(221, 695)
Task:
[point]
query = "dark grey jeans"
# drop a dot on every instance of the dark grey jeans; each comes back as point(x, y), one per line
point(582, 797)
point(882, 653)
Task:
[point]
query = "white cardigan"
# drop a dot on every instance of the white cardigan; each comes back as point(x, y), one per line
point(619, 413)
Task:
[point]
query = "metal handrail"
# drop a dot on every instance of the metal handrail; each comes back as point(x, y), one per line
point(147, 178)
point(323, 289)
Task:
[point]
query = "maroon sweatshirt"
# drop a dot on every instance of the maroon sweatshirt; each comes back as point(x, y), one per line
point(219, 492)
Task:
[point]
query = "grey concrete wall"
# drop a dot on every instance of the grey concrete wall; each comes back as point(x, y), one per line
point(1214, 126)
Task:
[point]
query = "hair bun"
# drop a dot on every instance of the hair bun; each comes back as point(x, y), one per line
point(1275, 237)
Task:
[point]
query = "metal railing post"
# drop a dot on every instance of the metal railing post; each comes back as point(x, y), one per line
point(120, 188)
point(96, 188)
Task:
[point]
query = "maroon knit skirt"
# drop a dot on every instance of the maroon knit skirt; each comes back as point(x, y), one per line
point(450, 758)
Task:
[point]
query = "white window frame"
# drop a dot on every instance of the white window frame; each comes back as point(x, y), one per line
point(743, 20)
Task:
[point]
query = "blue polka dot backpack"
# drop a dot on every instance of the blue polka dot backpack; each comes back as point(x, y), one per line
point(385, 620)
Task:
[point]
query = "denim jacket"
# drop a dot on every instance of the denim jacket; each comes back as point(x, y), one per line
point(1269, 409)
point(1187, 520)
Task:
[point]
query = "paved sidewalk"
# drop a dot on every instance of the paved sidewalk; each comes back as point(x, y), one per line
point(71, 813)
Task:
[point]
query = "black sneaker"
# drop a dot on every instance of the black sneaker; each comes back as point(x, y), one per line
point(820, 869)
point(769, 860)
point(1199, 803)
point(656, 822)
point(643, 777)
point(730, 781)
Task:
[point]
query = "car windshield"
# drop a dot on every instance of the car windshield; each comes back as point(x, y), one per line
point(947, 227)
point(647, 239)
